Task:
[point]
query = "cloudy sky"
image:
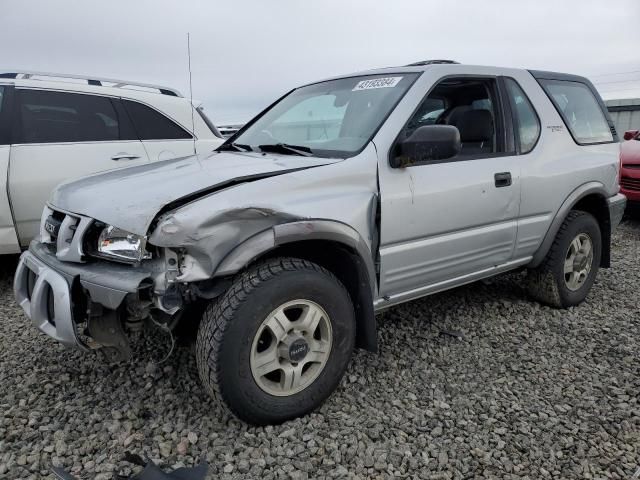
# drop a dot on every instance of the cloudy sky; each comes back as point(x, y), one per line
point(245, 53)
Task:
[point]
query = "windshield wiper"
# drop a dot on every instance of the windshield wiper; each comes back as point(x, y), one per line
point(287, 149)
point(236, 147)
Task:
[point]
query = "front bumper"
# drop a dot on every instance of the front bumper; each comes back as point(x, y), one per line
point(36, 287)
point(44, 287)
point(616, 204)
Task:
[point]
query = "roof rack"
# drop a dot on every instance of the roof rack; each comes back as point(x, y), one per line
point(97, 81)
point(432, 62)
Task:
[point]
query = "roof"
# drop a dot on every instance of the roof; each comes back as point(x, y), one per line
point(422, 66)
point(93, 83)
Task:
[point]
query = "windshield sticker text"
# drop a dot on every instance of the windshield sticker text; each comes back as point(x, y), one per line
point(386, 82)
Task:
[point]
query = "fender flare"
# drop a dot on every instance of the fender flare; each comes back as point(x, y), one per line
point(572, 199)
point(284, 233)
point(337, 232)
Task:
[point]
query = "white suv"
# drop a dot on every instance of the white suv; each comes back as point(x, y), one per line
point(57, 127)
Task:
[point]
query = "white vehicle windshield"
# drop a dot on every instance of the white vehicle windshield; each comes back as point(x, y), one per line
point(336, 118)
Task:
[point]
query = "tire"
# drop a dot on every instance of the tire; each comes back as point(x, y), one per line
point(549, 283)
point(229, 341)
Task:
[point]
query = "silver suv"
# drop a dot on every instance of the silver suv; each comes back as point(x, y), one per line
point(344, 197)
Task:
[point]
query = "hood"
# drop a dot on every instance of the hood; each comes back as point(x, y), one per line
point(630, 152)
point(130, 198)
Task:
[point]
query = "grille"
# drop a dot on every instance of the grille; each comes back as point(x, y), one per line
point(630, 183)
point(62, 234)
point(52, 225)
point(61, 229)
point(631, 166)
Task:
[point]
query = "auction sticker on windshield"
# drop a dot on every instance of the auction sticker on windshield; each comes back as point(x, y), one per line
point(385, 82)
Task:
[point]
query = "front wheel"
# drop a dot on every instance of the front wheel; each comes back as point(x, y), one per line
point(277, 343)
point(566, 275)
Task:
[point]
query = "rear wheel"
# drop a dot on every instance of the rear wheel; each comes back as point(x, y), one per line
point(277, 343)
point(567, 274)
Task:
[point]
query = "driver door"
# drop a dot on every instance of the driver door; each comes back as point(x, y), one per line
point(446, 221)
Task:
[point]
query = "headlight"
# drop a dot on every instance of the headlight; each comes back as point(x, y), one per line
point(119, 244)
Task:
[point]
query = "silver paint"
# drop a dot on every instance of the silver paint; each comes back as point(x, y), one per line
point(441, 225)
point(131, 198)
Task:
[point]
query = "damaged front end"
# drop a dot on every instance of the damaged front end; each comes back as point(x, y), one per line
point(101, 274)
point(96, 305)
point(101, 301)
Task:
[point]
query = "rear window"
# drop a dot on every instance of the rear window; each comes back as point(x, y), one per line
point(580, 111)
point(152, 125)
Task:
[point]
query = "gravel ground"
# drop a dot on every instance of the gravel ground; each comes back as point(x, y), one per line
point(523, 391)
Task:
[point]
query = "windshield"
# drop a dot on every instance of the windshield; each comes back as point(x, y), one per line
point(336, 118)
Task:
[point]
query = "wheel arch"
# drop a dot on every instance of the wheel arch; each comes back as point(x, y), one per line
point(335, 246)
point(591, 198)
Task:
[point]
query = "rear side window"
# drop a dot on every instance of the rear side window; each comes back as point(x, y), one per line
point(580, 111)
point(152, 125)
point(56, 117)
point(4, 121)
point(527, 121)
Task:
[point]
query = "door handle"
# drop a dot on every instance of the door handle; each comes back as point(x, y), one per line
point(124, 156)
point(502, 179)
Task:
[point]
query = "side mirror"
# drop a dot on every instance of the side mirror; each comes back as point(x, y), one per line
point(631, 134)
point(426, 144)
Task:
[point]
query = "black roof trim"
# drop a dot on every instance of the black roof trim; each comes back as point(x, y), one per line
point(432, 62)
point(541, 74)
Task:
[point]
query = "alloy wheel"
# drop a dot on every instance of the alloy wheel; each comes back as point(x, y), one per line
point(578, 261)
point(291, 347)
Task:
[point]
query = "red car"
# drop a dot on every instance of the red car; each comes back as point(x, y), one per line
point(630, 163)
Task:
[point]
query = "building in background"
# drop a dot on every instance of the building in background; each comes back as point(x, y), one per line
point(625, 113)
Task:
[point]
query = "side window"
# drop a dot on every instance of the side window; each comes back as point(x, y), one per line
point(429, 111)
point(55, 117)
point(580, 111)
point(469, 104)
point(152, 125)
point(527, 121)
point(4, 121)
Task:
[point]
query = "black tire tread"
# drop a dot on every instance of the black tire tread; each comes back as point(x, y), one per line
point(219, 314)
point(541, 283)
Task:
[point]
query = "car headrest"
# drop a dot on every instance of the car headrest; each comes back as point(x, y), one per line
point(453, 117)
point(475, 126)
